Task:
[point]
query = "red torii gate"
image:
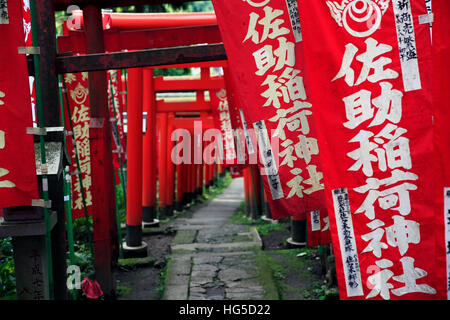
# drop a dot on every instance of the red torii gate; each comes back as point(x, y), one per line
point(139, 211)
point(164, 84)
point(101, 50)
point(95, 58)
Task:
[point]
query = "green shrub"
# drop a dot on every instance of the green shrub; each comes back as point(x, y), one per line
point(7, 276)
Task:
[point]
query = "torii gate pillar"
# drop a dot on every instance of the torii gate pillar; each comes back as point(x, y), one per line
point(106, 244)
point(149, 153)
point(134, 246)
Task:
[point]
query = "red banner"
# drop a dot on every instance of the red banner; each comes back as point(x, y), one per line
point(77, 90)
point(18, 182)
point(115, 114)
point(239, 129)
point(268, 72)
point(222, 121)
point(371, 97)
point(26, 12)
point(318, 226)
point(242, 156)
point(441, 117)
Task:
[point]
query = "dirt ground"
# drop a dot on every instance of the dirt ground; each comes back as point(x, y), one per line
point(297, 272)
point(143, 282)
point(275, 240)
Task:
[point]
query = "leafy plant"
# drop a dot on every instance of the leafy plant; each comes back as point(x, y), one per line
point(321, 291)
point(120, 201)
point(81, 230)
point(7, 275)
point(266, 228)
point(162, 280)
point(122, 290)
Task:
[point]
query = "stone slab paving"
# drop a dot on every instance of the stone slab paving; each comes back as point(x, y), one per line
point(212, 259)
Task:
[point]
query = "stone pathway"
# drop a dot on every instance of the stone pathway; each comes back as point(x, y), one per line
point(212, 259)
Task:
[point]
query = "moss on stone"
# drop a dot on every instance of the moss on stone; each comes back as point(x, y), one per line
point(265, 277)
point(241, 238)
point(137, 262)
point(162, 280)
point(122, 290)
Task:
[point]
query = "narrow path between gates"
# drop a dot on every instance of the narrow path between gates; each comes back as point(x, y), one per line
point(187, 150)
point(211, 258)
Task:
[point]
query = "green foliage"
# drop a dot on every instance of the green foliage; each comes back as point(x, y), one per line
point(133, 263)
point(153, 8)
point(266, 278)
point(320, 291)
point(83, 255)
point(59, 18)
point(195, 6)
point(7, 277)
point(221, 184)
point(122, 290)
point(81, 230)
point(83, 259)
point(120, 201)
point(239, 214)
point(264, 227)
point(162, 280)
point(200, 6)
point(292, 271)
point(279, 272)
point(172, 72)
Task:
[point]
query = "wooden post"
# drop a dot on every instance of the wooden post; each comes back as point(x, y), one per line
point(46, 39)
point(257, 190)
point(298, 231)
point(162, 164)
point(216, 172)
point(170, 188)
point(194, 169)
point(149, 152)
point(208, 175)
point(202, 168)
point(247, 192)
point(267, 215)
point(211, 174)
point(185, 176)
point(179, 199)
point(201, 177)
point(134, 246)
point(105, 237)
point(189, 176)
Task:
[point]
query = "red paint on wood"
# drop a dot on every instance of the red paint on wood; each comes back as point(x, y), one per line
point(134, 150)
point(162, 161)
point(170, 164)
point(103, 200)
point(149, 142)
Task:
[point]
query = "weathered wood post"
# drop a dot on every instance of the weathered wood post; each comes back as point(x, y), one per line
point(149, 152)
point(105, 236)
point(170, 187)
point(134, 246)
point(179, 198)
point(298, 231)
point(257, 186)
point(248, 202)
point(28, 238)
point(162, 164)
